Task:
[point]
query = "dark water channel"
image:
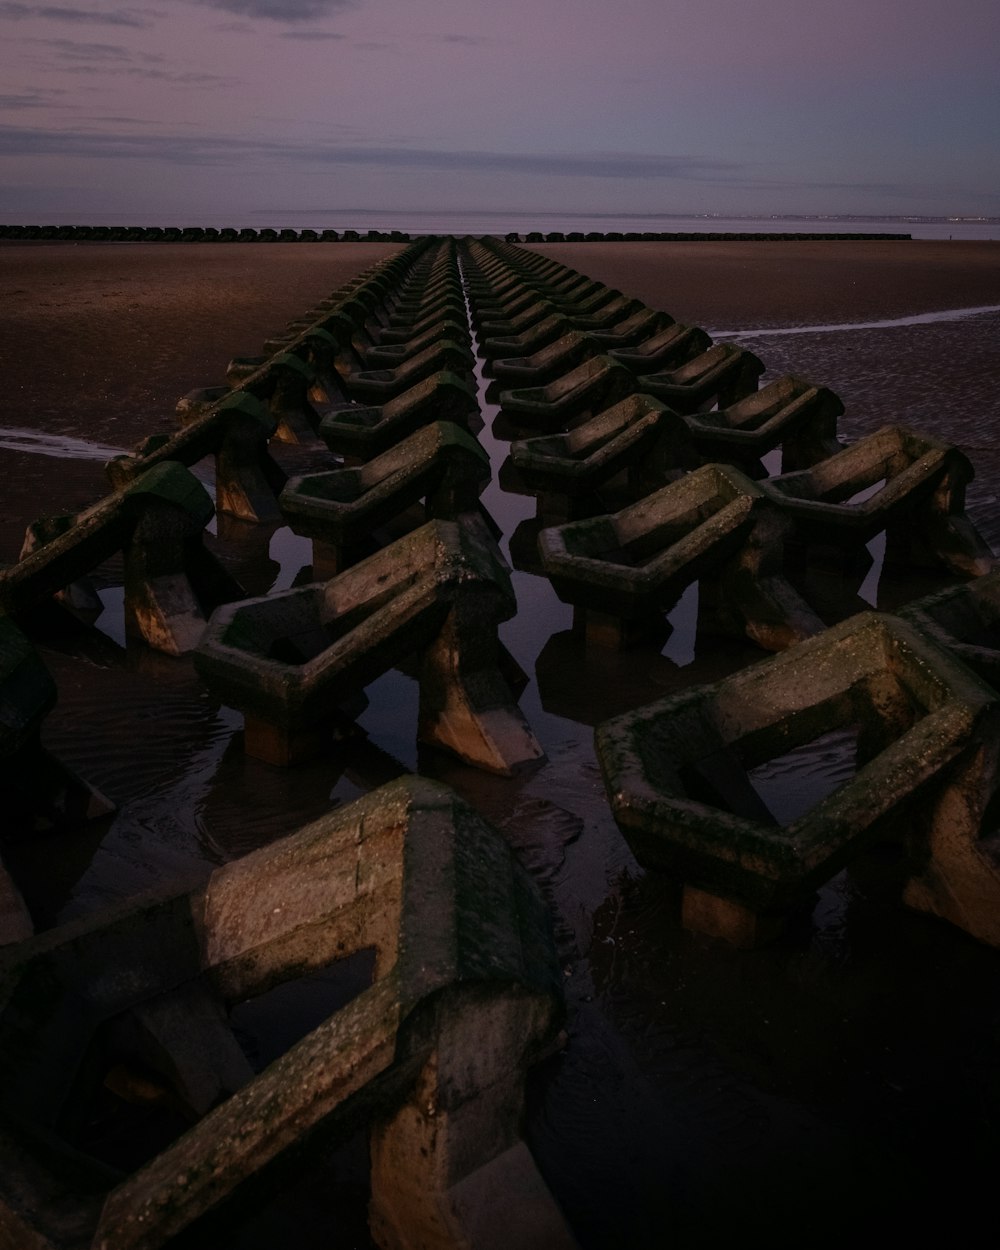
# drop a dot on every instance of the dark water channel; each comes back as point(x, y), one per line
point(844, 1081)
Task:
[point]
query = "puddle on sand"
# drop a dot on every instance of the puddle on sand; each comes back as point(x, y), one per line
point(793, 783)
point(59, 446)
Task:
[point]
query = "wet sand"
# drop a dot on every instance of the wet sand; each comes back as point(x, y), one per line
point(846, 1078)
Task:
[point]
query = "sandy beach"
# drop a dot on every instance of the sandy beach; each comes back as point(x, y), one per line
point(850, 1070)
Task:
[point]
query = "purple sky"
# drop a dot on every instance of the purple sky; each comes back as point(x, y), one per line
point(231, 107)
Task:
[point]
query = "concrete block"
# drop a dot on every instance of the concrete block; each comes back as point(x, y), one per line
point(678, 772)
point(432, 1055)
point(288, 660)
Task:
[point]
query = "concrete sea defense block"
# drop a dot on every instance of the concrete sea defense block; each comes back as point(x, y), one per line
point(966, 620)
point(589, 388)
point(235, 428)
point(380, 385)
point(914, 489)
point(789, 412)
point(364, 432)
point(665, 346)
point(638, 433)
point(540, 335)
point(565, 353)
point(720, 376)
point(441, 464)
point(171, 580)
point(432, 1054)
point(633, 329)
point(628, 568)
point(678, 772)
point(290, 661)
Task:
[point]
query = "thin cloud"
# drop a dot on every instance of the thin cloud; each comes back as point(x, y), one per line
point(28, 100)
point(282, 10)
point(190, 150)
point(311, 36)
point(79, 17)
point(467, 41)
point(71, 50)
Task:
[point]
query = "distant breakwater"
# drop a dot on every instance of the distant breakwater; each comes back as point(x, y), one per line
point(207, 234)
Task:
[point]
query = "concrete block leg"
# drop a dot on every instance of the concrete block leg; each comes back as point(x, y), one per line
point(959, 852)
point(750, 595)
point(15, 921)
point(162, 558)
point(465, 704)
point(247, 480)
point(449, 1169)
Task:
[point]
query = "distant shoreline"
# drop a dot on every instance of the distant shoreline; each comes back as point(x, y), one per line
point(229, 234)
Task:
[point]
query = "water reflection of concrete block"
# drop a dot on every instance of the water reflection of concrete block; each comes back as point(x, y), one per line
point(628, 568)
point(288, 661)
point(39, 793)
point(722, 375)
point(441, 465)
point(432, 1052)
point(906, 483)
point(679, 772)
point(789, 413)
point(364, 432)
point(588, 389)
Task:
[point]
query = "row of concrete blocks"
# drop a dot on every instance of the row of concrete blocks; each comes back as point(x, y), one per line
point(741, 538)
point(140, 1010)
point(915, 696)
point(196, 234)
point(689, 236)
point(296, 664)
point(144, 1007)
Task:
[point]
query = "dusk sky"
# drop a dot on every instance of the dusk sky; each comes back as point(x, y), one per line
point(232, 107)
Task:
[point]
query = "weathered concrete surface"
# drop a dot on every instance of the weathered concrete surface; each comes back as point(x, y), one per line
point(558, 357)
point(588, 389)
point(789, 412)
point(667, 345)
point(235, 428)
point(713, 524)
point(539, 335)
point(722, 375)
point(381, 385)
point(364, 432)
point(171, 580)
point(638, 434)
point(915, 488)
point(432, 1055)
point(677, 771)
point(289, 661)
point(966, 620)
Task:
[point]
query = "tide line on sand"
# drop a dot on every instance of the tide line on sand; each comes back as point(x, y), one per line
point(914, 319)
point(61, 446)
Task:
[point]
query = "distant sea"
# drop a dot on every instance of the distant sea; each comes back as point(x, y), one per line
point(458, 222)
